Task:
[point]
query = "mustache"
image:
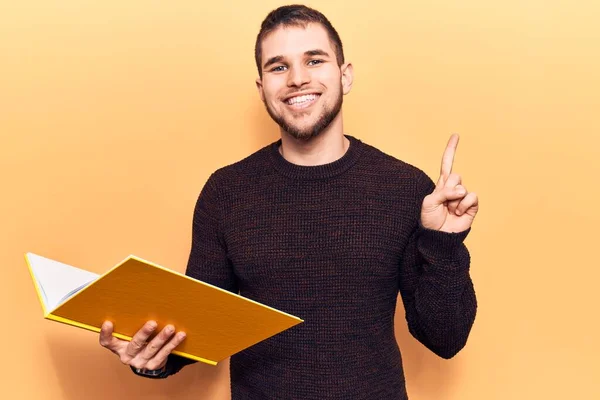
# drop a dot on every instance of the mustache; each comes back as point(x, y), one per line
point(300, 92)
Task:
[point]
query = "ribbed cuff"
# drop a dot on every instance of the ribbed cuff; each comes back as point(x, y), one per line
point(439, 244)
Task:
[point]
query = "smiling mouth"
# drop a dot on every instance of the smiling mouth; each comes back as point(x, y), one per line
point(303, 101)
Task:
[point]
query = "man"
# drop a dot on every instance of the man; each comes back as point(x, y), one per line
point(328, 228)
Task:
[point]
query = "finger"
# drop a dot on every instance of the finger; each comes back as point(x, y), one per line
point(453, 180)
point(448, 194)
point(106, 338)
point(468, 204)
point(167, 349)
point(158, 342)
point(450, 181)
point(440, 183)
point(453, 204)
point(138, 341)
point(448, 157)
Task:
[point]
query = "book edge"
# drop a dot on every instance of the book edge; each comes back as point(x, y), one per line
point(50, 315)
point(150, 263)
point(36, 284)
point(155, 265)
point(67, 321)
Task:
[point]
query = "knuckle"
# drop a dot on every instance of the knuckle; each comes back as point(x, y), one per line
point(153, 347)
point(170, 346)
point(136, 345)
point(164, 335)
point(161, 340)
point(130, 352)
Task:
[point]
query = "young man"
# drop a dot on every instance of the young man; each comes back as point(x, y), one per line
point(326, 227)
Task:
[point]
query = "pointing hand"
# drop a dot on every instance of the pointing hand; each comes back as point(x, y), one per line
point(450, 207)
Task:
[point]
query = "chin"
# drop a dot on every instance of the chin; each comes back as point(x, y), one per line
point(304, 131)
point(303, 135)
point(307, 126)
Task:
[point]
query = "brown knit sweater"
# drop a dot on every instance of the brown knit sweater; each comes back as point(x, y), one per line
point(333, 245)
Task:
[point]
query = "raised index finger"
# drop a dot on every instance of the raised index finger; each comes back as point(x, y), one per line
point(448, 158)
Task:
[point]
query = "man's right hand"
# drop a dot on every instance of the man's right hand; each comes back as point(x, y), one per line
point(139, 353)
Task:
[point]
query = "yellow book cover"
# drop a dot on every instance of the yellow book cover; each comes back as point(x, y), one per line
point(217, 323)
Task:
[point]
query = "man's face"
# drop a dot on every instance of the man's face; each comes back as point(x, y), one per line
point(302, 85)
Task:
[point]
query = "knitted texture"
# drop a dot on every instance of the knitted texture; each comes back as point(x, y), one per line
point(332, 244)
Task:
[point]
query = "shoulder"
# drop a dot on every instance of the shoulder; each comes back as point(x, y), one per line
point(245, 169)
point(388, 166)
point(237, 177)
point(229, 181)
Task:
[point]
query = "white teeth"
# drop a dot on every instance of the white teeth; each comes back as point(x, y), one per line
point(302, 99)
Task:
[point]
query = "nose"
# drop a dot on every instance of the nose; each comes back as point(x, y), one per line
point(298, 76)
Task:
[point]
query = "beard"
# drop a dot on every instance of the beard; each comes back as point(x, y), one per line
point(327, 115)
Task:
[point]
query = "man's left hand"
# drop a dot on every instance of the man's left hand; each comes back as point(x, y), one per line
point(450, 207)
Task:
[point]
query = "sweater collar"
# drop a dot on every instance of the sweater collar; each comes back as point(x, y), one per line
point(323, 171)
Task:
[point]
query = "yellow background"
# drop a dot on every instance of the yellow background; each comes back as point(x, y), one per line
point(113, 115)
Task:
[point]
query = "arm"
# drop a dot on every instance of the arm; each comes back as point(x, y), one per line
point(435, 285)
point(208, 260)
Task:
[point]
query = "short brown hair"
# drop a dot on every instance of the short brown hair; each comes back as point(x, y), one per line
point(296, 15)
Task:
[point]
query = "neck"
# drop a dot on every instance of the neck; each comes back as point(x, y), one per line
point(327, 147)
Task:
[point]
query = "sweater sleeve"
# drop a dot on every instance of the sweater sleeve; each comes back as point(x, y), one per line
point(435, 284)
point(208, 259)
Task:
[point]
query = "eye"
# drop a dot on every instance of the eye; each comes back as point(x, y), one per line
point(315, 62)
point(278, 68)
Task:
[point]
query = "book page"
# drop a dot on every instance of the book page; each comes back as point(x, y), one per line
point(57, 281)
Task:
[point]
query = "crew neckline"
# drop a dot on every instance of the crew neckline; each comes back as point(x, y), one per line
point(322, 171)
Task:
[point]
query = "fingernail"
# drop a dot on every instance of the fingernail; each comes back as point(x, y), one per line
point(170, 329)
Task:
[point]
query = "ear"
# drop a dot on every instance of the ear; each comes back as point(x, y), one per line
point(260, 89)
point(347, 77)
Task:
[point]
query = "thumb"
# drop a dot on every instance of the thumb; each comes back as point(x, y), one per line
point(446, 194)
point(106, 338)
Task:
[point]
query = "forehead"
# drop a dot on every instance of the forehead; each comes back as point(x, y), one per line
point(295, 40)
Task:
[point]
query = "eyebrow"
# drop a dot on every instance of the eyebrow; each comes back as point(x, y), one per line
point(276, 59)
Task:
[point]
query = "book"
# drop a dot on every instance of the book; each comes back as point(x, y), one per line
point(217, 323)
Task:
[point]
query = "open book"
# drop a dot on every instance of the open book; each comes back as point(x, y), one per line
point(217, 323)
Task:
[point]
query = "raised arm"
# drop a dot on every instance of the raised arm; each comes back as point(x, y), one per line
point(435, 283)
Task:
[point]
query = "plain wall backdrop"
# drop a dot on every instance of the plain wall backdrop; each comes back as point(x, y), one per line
point(113, 115)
